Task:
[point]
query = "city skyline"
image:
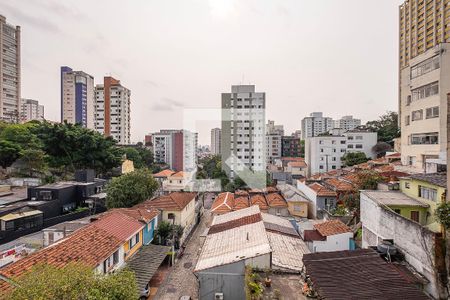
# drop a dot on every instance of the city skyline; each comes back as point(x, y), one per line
point(158, 69)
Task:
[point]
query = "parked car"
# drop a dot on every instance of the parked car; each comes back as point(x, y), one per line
point(185, 298)
point(145, 292)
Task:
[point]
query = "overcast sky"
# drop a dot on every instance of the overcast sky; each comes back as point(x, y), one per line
point(335, 56)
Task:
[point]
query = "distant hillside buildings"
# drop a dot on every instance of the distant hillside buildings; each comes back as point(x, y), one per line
point(316, 124)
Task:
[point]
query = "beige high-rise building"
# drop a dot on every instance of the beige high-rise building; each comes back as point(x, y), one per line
point(424, 81)
point(31, 110)
point(9, 71)
point(215, 141)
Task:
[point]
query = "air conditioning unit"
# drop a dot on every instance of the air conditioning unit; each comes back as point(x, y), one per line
point(218, 296)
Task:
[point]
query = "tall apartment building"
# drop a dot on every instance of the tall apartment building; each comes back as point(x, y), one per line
point(324, 153)
point(10, 76)
point(77, 97)
point(112, 110)
point(424, 80)
point(315, 125)
point(290, 146)
point(215, 141)
point(274, 134)
point(347, 123)
point(31, 110)
point(243, 130)
point(175, 147)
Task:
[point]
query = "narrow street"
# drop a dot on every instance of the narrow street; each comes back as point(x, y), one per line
point(181, 281)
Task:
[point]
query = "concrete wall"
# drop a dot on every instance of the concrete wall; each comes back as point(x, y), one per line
point(228, 279)
point(412, 239)
point(337, 242)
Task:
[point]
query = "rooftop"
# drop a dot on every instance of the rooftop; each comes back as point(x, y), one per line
point(164, 173)
point(176, 201)
point(357, 269)
point(321, 190)
point(393, 198)
point(332, 227)
point(223, 203)
point(439, 179)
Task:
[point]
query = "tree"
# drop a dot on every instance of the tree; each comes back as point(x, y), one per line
point(443, 214)
point(133, 155)
point(34, 160)
point(9, 152)
point(164, 231)
point(74, 281)
point(72, 147)
point(368, 180)
point(353, 158)
point(381, 148)
point(131, 188)
point(386, 127)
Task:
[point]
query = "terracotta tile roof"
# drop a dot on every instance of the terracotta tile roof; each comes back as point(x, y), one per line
point(241, 202)
point(255, 191)
point(363, 275)
point(141, 214)
point(384, 168)
point(351, 177)
point(259, 200)
point(118, 224)
point(297, 164)
point(179, 174)
point(270, 189)
point(235, 223)
point(332, 227)
point(224, 203)
point(90, 245)
point(321, 190)
point(394, 175)
point(292, 158)
point(394, 155)
point(313, 235)
point(176, 201)
point(275, 200)
point(164, 173)
point(339, 185)
point(240, 193)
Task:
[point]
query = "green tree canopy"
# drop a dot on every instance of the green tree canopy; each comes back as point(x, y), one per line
point(131, 188)
point(443, 214)
point(141, 156)
point(74, 281)
point(386, 127)
point(74, 147)
point(353, 158)
point(368, 180)
point(9, 152)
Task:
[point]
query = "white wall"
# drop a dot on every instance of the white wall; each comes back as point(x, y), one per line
point(337, 242)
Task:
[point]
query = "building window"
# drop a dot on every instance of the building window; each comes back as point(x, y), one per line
point(427, 193)
point(321, 167)
point(407, 120)
point(431, 138)
point(417, 115)
point(134, 240)
point(415, 215)
point(333, 167)
point(398, 211)
point(408, 100)
point(411, 160)
point(359, 137)
point(425, 67)
point(407, 185)
point(350, 146)
point(342, 142)
point(432, 112)
point(425, 91)
point(171, 216)
point(358, 146)
point(46, 195)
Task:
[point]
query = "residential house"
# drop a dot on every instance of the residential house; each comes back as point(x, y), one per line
point(178, 182)
point(246, 237)
point(296, 201)
point(331, 235)
point(223, 203)
point(59, 231)
point(321, 198)
point(362, 274)
point(429, 189)
point(277, 205)
point(178, 208)
point(163, 175)
point(104, 245)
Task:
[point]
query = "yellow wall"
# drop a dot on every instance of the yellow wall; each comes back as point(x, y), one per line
point(303, 212)
point(126, 246)
point(127, 166)
point(413, 192)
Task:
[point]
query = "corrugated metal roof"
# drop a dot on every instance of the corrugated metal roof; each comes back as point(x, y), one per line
point(236, 215)
point(287, 251)
point(19, 215)
point(393, 198)
point(233, 245)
